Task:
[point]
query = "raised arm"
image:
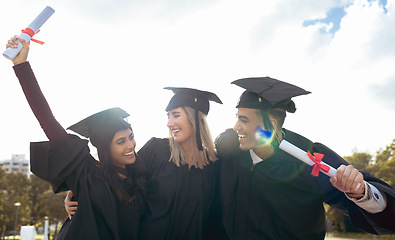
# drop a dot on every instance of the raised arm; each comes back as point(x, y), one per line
point(33, 94)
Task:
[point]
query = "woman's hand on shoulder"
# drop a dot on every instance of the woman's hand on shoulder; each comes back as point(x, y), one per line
point(70, 206)
point(22, 55)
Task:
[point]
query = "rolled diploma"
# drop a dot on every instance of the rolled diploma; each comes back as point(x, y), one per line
point(302, 155)
point(10, 53)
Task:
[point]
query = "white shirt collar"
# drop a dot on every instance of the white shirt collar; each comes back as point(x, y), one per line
point(254, 157)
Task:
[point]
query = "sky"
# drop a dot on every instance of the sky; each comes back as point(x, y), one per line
point(100, 54)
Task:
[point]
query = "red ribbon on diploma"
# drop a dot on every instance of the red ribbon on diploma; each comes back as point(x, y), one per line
point(31, 33)
point(317, 163)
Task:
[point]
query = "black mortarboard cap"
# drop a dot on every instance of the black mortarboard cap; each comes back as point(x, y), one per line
point(197, 99)
point(193, 98)
point(101, 127)
point(267, 93)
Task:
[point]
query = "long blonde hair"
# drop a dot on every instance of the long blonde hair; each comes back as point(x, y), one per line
point(199, 158)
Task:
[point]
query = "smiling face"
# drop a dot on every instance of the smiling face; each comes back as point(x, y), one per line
point(180, 127)
point(252, 133)
point(122, 148)
point(246, 126)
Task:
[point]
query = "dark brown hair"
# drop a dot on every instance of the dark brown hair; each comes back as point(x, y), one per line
point(125, 188)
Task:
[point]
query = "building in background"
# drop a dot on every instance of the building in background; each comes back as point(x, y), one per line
point(17, 163)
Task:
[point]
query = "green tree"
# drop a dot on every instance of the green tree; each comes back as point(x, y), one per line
point(3, 203)
point(359, 160)
point(387, 154)
point(37, 189)
point(384, 167)
point(36, 199)
point(54, 207)
point(16, 190)
point(45, 203)
point(334, 219)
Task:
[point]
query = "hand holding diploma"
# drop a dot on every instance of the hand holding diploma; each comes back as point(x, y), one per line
point(22, 54)
point(349, 180)
point(346, 178)
point(28, 33)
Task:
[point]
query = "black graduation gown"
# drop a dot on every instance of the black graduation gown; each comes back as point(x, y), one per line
point(179, 201)
point(68, 165)
point(278, 198)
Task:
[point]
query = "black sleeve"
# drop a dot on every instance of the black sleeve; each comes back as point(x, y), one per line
point(61, 163)
point(153, 151)
point(38, 103)
point(227, 144)
point(147, 153)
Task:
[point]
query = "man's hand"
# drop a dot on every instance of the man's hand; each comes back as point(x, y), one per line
point(349, 180)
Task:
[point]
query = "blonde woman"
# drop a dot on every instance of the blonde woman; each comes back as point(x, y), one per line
point(182, 185)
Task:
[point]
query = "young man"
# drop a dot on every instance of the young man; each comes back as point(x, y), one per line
point(268, 194)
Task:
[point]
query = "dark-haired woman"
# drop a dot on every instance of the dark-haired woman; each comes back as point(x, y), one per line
point(110, 192)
